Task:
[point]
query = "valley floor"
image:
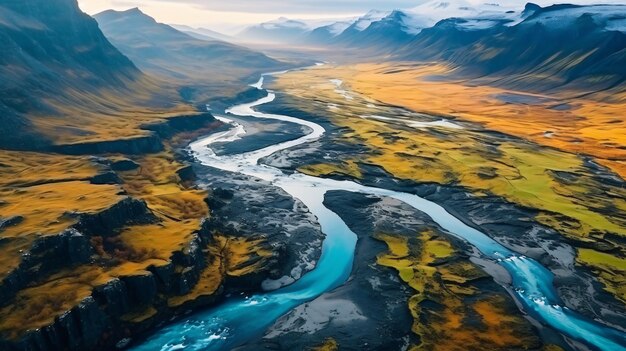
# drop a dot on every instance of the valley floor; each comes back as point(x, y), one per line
point(530, 188)
point(179, 235)
point(572, 121)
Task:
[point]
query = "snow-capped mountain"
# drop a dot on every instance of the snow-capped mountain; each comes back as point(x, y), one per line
point(606, 17)
point(326, 34)
point(394, 29)
point(536, 45)
point(475, 16)
point(364, 22)
point(462, 21)
point(280, 30)
point(382, 28)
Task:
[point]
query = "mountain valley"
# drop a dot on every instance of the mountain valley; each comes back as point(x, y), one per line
point(448, 176)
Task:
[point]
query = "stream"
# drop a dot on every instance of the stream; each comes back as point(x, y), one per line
point(241, 319)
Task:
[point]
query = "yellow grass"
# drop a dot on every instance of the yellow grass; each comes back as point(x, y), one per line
point(431, 267)
point(592, 127)
point(82, 116)
point(37, 306)
point(46, 207)
point(46, 189)
point(329, 344)
point(238, 253)
point(584, 209)
point(230, 256)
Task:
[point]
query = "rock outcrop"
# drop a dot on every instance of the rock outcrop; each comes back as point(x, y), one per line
point(122, 308)
point(150, 143)
point(106, 223)
point(73, 246)
point(47, 254)
point(134, 146)
point(178, 124)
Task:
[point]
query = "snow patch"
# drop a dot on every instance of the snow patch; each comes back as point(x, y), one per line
point(362, 23)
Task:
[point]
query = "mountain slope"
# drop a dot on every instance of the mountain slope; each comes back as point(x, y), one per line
point(592, 62)
point(282, 30)
point(202, 33)
point(386, 33)
point(163, 50)
point(326, 34)
point(41, 55)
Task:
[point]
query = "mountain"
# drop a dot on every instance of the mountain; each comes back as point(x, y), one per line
point(382, 33)
point(594, 61)
point(388, 30)
point(50, 49)
point(475, 16)
point(282, 30)
point(353, 33)
point(497, 39)
point(203, 33)
point(160, 49)
point(326, 34)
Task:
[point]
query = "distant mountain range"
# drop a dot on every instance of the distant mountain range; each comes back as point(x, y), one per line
point(583, 46)
point(280, 30)
point(406, 22)
point(163, 50)
point(579, 46)
point(203, 33)
point(62, 76)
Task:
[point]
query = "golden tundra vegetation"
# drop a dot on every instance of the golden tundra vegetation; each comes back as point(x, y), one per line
point(592, 125)
point(47, 191)
point(543, 174)
point(82, 116)
point(329, 344)
point(43, 188)
point(464, 317)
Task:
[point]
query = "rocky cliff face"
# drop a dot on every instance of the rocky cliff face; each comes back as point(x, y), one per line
point(140, 145)
point(121, 307)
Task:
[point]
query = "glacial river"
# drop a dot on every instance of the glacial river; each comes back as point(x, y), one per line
point(241, 319)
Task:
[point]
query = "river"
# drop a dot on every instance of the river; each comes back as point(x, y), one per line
point(241, 319)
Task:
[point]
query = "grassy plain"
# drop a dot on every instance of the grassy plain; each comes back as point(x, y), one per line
point(540, 173)
point(592, 125)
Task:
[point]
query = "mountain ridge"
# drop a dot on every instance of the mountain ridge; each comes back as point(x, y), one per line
point(162, 50)
point(36, 62)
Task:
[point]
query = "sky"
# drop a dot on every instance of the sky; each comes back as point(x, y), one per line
point(230, 16)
